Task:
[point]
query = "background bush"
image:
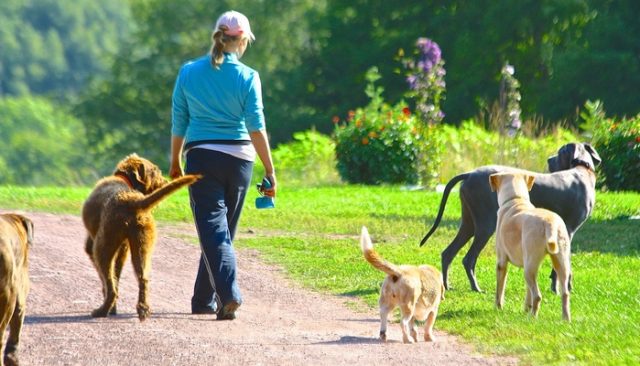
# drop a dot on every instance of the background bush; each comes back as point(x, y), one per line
point(378, 143)
point(618, 144)
point(471, 146)
point(309, 160)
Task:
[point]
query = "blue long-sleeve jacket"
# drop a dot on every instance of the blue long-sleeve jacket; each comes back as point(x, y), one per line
point(217, 105)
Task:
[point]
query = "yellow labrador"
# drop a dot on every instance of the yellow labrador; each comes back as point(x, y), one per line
point(417, 290)
point(524, 235)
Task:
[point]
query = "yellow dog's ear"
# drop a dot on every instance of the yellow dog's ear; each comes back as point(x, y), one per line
point(494, 182)
point(529, 179)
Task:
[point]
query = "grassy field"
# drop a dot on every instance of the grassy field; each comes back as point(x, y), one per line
point(313, 234)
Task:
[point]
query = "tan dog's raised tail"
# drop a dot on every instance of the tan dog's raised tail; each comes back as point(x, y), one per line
point(417, 290)
point(524, 236)
point(118, 218)
point(16, 235)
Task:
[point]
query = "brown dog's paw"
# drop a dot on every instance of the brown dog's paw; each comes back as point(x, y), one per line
point(383, 336)
point(11, 359)
point(100, 312)
point(143, 312)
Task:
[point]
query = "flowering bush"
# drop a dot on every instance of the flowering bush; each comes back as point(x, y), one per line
point(425, 76)
point(618, 144)
point(378, 143)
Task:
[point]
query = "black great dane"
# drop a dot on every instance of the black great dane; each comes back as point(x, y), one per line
point(569, 191)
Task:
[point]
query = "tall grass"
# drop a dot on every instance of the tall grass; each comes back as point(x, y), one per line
point(313, 234)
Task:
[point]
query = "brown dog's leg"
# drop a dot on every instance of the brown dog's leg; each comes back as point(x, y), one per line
point(11, 350)
point(141, 248)
point(121, 258)
point(105, 249)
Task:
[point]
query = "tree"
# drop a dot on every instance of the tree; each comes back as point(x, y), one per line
point(47, 145)
point(52, 46)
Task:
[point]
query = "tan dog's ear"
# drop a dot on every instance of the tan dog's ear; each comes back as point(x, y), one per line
point(494, 182)
point(529, 179)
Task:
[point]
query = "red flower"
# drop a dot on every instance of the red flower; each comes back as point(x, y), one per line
point(365, 141)
point(350, 115)
point(638, 139)
point(406, 111)
point(335, 119)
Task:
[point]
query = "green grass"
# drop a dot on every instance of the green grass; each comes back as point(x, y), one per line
point(313, 234)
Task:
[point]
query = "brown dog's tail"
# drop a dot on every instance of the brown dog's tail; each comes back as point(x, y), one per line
point(374, 258)
point(551, 233)
point(152, 199)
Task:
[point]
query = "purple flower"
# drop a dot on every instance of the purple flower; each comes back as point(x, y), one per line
point(412, 80)
point(430, 54)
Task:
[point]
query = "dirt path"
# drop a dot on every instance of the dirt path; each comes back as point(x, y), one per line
point(278, 324)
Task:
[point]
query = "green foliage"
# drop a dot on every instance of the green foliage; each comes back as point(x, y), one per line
point(47, 145)
point(470, 146)
point(378, 143)
point(618, 144)
point(53, 47)
point(309, 160)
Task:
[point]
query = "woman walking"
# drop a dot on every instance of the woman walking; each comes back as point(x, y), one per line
point(218, 123)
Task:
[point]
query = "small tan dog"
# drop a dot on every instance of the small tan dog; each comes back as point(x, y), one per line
point(417, 290)
point(118, 218)
point(524, 235)
point(16, 235)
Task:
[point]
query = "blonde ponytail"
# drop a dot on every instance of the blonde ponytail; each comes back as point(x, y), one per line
point(219, 41)
point(217, 48)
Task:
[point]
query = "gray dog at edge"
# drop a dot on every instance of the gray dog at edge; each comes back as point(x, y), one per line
point(569, 191)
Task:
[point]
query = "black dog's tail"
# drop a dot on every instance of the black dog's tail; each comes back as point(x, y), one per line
point(443, 203)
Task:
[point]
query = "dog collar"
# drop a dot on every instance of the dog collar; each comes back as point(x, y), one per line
point(125, 179)
point(586, 164)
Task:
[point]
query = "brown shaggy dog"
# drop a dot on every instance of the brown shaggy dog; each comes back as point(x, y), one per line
point(16, 234)
point(118, 218)
point(417, 290)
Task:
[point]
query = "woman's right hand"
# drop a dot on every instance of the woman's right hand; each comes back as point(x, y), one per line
point(270, 192)
point(175, 171)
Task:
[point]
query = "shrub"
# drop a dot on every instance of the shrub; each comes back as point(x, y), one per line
point(307, 161)
point(618, 144)
point(378, 143)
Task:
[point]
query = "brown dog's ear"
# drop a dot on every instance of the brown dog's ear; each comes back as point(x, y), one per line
point(494, 182)
point(28, 227)
point(529, 179)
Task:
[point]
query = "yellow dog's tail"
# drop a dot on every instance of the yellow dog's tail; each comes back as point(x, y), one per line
point(374, 258)
point(551, 233)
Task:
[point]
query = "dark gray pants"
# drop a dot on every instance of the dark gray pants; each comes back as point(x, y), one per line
point(216, 203)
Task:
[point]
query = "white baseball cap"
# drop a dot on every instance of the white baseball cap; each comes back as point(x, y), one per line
point(236, 23)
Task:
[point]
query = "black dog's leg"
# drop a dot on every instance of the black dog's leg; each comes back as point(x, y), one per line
point(479, 242)
point(554, 281)
point(465, 232)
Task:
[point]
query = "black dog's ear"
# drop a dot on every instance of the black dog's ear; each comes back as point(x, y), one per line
point(594, 154)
